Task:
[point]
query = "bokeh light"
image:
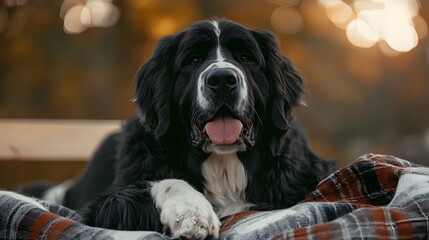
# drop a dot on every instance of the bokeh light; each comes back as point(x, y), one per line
point(102, 13)
point(397, 23)
point(72, 20)
point(361, 34)
point(286, 20)
point(80, 15)
point(339, 13)
point(12, 3)
point(163, 26)
point(401, 37)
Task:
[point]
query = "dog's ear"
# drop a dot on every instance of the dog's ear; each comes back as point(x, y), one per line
point(286, 84)
point(154, 86)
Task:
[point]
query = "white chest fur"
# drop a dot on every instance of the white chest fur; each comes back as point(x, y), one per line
point(225, 185)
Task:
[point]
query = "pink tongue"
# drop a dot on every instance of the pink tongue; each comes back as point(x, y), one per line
point(224, 130)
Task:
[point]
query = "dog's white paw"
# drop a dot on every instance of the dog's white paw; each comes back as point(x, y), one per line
point(184, 210)
point(190, 219)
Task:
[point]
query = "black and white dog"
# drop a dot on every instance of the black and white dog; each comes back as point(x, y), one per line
point(213, 136)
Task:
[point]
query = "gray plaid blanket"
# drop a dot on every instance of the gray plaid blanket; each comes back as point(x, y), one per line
point(376, 197)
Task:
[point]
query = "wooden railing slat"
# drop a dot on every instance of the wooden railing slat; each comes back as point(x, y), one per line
point(37, 139)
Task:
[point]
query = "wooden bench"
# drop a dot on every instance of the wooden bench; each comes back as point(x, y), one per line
point(55, 150)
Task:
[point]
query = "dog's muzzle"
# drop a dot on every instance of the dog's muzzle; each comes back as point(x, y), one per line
point(221, 124)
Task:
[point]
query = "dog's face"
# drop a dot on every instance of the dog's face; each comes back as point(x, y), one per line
point(226, 84)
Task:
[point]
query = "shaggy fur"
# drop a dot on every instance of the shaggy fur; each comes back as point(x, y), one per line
point(166, 139)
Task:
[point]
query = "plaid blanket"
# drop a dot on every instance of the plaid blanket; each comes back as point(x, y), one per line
point(376, 197)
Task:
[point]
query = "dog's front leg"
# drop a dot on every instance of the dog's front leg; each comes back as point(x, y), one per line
point(184, 210)
point(128, 208)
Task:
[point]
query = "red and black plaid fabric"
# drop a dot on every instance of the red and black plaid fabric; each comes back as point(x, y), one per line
point(390, 198)
point(376, 197)
point(27, 218)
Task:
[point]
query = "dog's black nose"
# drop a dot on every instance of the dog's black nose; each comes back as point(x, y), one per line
point(222, 80)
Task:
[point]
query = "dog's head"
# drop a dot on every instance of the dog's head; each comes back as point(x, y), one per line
point(223, 83)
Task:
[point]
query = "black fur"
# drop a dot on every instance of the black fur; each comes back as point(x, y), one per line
point(156, 144)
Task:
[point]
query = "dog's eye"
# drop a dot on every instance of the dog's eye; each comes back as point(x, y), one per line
point(194, 61)
point(246, 59)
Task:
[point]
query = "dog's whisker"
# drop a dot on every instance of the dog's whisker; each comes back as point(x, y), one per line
point(257, 114)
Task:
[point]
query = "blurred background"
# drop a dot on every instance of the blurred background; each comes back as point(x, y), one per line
point(366, 65)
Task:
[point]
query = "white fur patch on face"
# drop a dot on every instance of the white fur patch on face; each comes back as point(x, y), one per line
point(184, 210)
point(221, 62)
point(225, 185)
point(219, 56)
point(216, 27)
